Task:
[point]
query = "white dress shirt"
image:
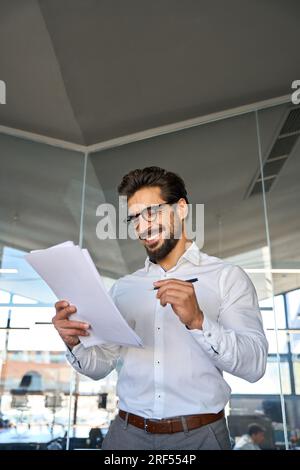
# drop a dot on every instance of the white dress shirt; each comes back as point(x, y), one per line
point(179, 371)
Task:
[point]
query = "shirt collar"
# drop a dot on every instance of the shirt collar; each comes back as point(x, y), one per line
point(192, 254)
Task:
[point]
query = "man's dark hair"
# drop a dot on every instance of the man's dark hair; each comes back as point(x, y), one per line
point(254, 429)
point(171, 185)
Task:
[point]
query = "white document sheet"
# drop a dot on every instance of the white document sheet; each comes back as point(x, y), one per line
point(71, 274)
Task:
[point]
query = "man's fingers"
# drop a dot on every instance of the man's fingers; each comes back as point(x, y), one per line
point(72, 324)
point(65, 312)
point(185, 288)
point(61, 304)
point(169, 290)
point(73, 332)
point(170, 299)
point(178, 282)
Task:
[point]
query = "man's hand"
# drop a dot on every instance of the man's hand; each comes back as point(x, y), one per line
point(68, 330)
point(182, 298)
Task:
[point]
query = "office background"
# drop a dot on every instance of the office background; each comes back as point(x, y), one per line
point(95, 89)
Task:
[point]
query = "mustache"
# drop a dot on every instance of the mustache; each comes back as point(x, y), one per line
point(150, 233)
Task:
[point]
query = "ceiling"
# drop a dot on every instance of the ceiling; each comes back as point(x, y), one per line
point(86, 71)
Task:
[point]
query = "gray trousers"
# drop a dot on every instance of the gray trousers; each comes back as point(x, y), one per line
point(214, 436)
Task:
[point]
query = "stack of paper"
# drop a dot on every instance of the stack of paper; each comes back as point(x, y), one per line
point(71, 274)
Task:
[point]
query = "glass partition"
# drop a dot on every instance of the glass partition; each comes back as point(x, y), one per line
point(40, 206)
point(281, 170)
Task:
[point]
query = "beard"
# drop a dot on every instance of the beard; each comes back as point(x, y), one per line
point(174, 233)
point(163, 251)
point(156, 255)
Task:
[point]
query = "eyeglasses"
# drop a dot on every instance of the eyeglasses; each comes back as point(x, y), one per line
point(149, 214)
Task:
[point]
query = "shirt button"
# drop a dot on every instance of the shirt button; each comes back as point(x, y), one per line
point(208, 335)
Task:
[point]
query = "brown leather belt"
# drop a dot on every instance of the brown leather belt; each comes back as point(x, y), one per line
point(170, 425)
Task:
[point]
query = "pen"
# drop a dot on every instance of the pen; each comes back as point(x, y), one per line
point(186, 280)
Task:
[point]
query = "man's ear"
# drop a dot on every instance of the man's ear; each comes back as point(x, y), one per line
point(182, 209)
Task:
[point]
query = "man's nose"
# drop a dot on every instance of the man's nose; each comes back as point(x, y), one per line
point(144, 226)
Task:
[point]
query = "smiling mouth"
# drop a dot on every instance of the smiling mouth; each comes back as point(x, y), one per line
point(152, 239)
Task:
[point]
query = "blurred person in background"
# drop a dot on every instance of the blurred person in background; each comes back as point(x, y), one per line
point(252, 440)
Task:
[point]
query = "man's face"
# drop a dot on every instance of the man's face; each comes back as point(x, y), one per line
point(258, 438)
point(156, 228)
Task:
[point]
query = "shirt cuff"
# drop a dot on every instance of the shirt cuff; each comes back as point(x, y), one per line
point(210, 336)
point(72, 354)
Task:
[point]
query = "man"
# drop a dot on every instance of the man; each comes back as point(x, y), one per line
point(171, 392)
point(252, 440)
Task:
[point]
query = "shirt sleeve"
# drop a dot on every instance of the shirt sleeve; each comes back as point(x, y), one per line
point(236, 342)
point(95, 362)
